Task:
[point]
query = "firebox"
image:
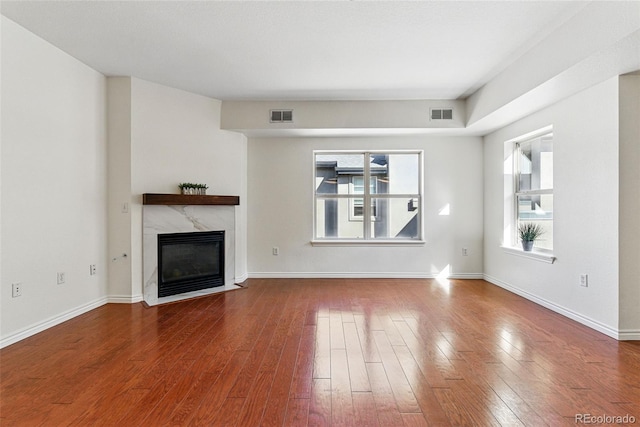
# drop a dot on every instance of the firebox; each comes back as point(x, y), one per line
point(190, 262)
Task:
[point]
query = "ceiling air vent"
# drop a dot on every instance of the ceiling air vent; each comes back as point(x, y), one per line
point(281, 116)
point(442, 114)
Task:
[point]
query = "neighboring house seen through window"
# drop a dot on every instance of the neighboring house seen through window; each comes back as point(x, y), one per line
point(357, 187)
point(389, 208)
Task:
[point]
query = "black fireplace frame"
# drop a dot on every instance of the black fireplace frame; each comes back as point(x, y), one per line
point(174, 287)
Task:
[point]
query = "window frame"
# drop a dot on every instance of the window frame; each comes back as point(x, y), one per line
point(517, 192)
point(368, 199)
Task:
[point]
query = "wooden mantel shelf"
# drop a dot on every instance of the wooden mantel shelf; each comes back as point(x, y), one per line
point(188, 199)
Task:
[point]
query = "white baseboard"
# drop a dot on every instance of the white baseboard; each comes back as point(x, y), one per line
point(50, 322)
point(629, 335)
point(357, 275)
point(124, 299)
point(468, 276)
point(337, 275)
point(242, 278)
point(593, 324)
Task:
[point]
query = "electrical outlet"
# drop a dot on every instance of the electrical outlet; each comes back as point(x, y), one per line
point(16, 290)
point(465, 252)
point(584, 280)
point(92, 270)
point(275, 250)
point(61, 278)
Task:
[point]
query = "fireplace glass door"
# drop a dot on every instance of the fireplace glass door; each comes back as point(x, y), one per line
point(190, 262)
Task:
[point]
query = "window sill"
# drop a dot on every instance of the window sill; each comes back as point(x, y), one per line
point(535, 255)
point(358, 242)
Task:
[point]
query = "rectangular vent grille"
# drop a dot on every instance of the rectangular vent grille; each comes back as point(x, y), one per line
point(441, 114)
point(281, 116)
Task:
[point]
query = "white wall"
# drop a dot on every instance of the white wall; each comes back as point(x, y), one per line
point(586, 204)
point(321, 117)
point(629, 93)
point(280, 181)
point(120, 200)
point(176, 137)
point(54, 184)
point(56, 213)
point(159, 137)
point(2, 291)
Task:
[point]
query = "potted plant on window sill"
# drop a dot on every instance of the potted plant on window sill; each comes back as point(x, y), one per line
point(528, 233)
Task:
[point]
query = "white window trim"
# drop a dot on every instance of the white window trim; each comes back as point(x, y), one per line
point(362, 242)
point(536, 254)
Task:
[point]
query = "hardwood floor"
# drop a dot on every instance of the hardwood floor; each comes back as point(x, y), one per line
point(322, 352)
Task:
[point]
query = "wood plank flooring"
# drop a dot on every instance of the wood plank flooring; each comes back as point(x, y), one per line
point(311, 352)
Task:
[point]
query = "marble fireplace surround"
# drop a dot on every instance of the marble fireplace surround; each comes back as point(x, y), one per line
point(163, 213)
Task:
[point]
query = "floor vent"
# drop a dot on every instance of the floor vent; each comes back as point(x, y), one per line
point(441, 114)
point(281, 116)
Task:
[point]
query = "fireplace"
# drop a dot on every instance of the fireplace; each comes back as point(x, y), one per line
point(171, 218)
point(190, 262)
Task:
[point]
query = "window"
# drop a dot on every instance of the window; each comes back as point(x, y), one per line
point(357, 205)
point(388, 209)
point(533, 193)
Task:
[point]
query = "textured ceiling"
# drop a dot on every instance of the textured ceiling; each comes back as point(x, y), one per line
point(304, 50)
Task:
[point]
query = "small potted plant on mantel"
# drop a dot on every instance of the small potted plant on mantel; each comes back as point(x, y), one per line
point(528, 233)
point(190, 188)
